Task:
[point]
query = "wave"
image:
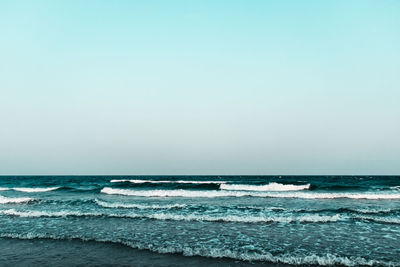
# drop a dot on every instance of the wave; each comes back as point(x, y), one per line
point(268, 187)
point(34, 190)
point(36, 213)
point(137, 206)
point(275, 210)
point(246, 219)
point(219, 252)
point(346, 210)
point(7, 200)
point(180, 217)
point(168, 181)
point(385, 220)
point(227, 193)
point(29, 189)
point(169, 193)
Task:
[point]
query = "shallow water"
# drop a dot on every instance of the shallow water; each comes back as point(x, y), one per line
point(324, 220)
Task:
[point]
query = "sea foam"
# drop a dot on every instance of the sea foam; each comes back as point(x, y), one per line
point(7, 200)
point(167, 181)
point(228, 193)
point(268, 187)
point(180, 217)
point(222, 252)
point(29, 189)
point(137, 206)
point(34, 189)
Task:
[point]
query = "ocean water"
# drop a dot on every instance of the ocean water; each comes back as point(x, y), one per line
point(314, 220)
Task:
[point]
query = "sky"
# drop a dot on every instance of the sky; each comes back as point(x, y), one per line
point(199, 87)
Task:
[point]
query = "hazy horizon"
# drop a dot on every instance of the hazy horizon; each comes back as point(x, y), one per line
point(213, 87)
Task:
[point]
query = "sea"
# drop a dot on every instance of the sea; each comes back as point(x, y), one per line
point(200, 220)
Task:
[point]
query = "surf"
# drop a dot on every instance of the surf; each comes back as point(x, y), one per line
point(7, 200)
point(235, 193)
point(268, 187)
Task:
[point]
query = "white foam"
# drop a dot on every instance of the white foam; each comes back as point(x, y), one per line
point(371, 210)
point(36, 213)
point(244, 219)
point(4, 188)
point(227, 193)
point(34, 189)
point(222, 252)
point(268, 187)
point(6, 200)
point(367, 195)
point(165, 181)
point(170, 193)
point(181, 217)
point(137, 206)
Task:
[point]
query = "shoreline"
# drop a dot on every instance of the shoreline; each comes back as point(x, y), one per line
point(50, 252)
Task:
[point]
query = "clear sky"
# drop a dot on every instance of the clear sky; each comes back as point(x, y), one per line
point(200, 87)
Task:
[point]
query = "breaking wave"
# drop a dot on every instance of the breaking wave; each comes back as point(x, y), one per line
point(268, 187)
point(168, 181)
point(227, 193)
point(137, 206)
point(220, 252)
point(180, 217)
point(7, 200)
point(29, 189)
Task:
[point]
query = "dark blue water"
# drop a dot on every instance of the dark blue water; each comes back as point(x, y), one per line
point(325, 220)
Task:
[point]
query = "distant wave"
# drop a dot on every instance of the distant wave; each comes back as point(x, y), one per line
point(220, 252)
point(168, 181)
point(29, 189)
point(268, 187)
point(7, 200)
point(226, 193)
point(137, 206)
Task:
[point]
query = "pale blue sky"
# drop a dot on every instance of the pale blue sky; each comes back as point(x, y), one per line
point(199, 87)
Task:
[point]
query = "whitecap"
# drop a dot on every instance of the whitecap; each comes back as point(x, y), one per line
point(168, 181)
point(268, 187)
point(228, 193)
point(180, 217)
point(7, 200)
point(34, 189)
point(137, 206)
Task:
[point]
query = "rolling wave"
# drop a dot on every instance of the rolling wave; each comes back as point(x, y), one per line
point(179, 217)
point(220, 252)
point(307, 218)
point(7, 200)
point(137, 206)
point(29, 189)
point(387, 220)
point(168, 181)
point(268, 187)
point(227, 193)
point(279, 210)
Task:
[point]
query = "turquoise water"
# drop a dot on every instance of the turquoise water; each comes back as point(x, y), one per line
point(325, 220)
